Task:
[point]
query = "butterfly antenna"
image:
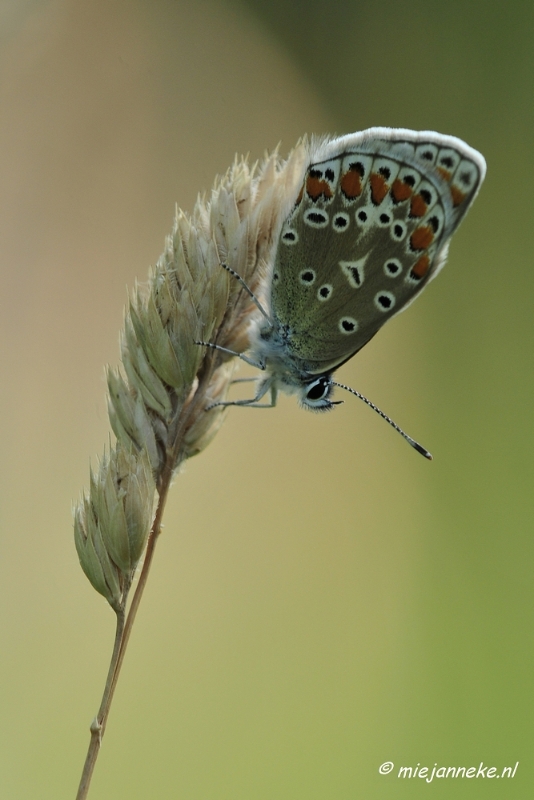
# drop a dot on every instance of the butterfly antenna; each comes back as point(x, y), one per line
point(249, 291)
point(414, 444)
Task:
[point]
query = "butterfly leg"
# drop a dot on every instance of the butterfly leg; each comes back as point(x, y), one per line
point(253, 401)
point(242, 356)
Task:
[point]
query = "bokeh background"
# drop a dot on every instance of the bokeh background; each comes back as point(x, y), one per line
point(322, 600)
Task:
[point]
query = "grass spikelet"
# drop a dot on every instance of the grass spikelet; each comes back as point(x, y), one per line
point(157, 401)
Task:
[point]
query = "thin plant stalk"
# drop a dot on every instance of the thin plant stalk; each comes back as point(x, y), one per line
point(99, 723)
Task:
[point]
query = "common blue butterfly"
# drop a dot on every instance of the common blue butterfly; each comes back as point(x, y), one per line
point(368, 230)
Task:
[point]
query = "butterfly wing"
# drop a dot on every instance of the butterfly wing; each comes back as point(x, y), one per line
point(369, 229)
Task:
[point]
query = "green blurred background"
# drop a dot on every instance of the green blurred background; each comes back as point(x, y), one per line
point(323, 600)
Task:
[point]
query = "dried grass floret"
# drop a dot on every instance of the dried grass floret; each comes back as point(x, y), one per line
point(162, 403)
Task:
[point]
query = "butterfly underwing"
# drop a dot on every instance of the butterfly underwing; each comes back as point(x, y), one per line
point(369, 229)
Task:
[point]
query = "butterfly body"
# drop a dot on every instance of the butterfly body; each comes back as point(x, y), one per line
point(369, 228)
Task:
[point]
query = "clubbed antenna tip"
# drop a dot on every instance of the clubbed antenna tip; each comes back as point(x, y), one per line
point(414, 444)
point(419, 448)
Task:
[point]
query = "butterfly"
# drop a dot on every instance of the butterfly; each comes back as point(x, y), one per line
point(369, 229)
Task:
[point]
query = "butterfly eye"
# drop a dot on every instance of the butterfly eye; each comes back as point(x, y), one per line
point(316, 394)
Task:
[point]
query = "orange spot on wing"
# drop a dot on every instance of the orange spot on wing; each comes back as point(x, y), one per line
point(299, 198)
point(315, 187)
point(400, 190)
point(457, 196)
point(420, 268)
point(445, 174)
point(379, 188)
point(422, 237)
point(418, 206)
point(351, 184)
